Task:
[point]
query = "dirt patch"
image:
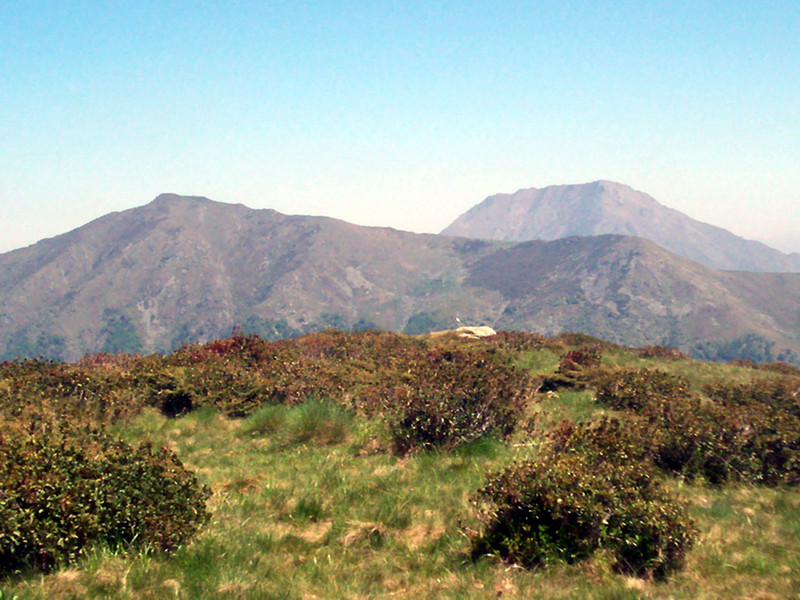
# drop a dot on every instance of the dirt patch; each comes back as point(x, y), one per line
point(315, 532)
point(363, 531)
point(426, 532)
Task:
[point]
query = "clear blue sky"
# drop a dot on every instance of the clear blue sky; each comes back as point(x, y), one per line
point(397, 113)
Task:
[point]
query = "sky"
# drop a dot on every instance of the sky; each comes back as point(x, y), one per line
point(401, 114)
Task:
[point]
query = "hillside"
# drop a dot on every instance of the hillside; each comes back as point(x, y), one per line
point(377, 465)
point(631, 291)
point(186, 268)
point(607, 207)
point(182, 269)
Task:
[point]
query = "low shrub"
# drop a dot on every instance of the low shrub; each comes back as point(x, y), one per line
point(664, 352)
point(567, 506)
point(745, 432)
point(636, 389)
point(780, 393)
point(64, 488)
point(519, 341)
point(456, 396)
point(607, 438)
point(576, 369)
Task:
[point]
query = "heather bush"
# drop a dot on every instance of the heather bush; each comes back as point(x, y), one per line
point(576, 369)
point(664, 352)
point(455, 397)
point(518, 341)
point(80, 391)
point(567, 506)
point(637, 389)
point(780, 393)
point(65, 488)
point(742, 431)
point(608, 438)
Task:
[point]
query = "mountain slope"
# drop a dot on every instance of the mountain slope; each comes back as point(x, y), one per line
point(632, 291)
point(186, 268)
point(606, 207)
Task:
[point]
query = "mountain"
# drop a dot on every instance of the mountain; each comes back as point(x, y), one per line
point(186, 268)
point(181, 269)
point(606, 207)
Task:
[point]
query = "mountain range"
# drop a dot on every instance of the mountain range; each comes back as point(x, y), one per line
point(602, 207)
point(182, 268)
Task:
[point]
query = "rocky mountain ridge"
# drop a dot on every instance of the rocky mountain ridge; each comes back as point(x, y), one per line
point(182, 269)
point(605, 207)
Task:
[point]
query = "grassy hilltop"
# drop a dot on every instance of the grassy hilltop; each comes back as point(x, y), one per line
point(377, 465)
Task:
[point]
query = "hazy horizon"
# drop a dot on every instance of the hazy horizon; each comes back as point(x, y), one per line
point(397, 115)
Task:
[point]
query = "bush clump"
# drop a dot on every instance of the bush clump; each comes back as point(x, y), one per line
point(567, 506)
point(738, 432)
point(576, 369)
point(638, 389)
point(456, 396)
point(64, 488)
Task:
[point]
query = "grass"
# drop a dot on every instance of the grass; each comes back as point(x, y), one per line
point(308, 503)
point(334, 520)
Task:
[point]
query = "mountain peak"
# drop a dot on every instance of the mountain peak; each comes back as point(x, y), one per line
point(172, 198)
point(602, 207)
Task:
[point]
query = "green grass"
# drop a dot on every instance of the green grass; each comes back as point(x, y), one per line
point(309, 503)
point(342, 520)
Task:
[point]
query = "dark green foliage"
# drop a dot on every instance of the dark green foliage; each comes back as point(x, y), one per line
point(364, 325)
point(749, 432)
point(576, 369)
point(333, 321)
point(567, 506)
point(749, 347)
point(425, 322)
point(65, 488)
point(455, 397)
point(120, 335)
point(43, 346)
point(268, 329)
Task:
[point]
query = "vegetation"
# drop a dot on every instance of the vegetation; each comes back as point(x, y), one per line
point(66, 489)
point(371, 464)
point(567, 506)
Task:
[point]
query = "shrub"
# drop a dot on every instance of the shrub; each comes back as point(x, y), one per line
point(65, 488)
point(567, 506)
point(665, 352)
point(518, 341)
point(455, 397)
point(636, 389)
point(743, 431)
point(781, 393)
point(576, 369)
point(607, 438)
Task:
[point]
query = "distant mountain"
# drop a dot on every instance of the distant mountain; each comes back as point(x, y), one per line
point(182, 269)
point(606, 207)
point(632, 291)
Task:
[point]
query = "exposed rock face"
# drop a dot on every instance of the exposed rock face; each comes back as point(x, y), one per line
point(481, 331)
point(603, 207)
